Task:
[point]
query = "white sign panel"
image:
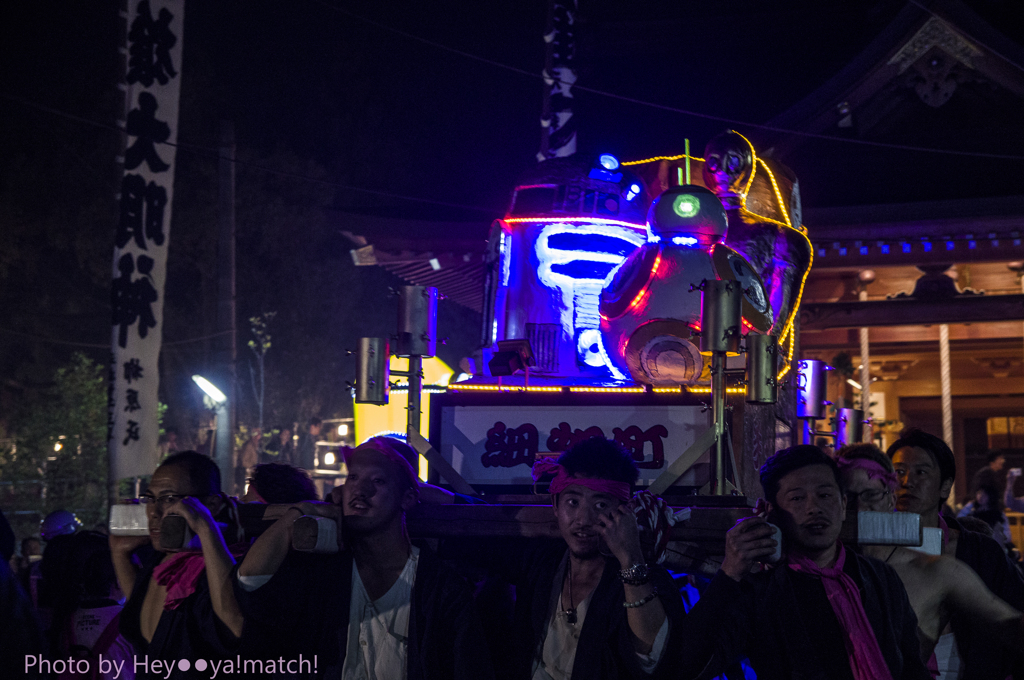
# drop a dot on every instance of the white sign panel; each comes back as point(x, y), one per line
point(490, 444)
point(152, 83)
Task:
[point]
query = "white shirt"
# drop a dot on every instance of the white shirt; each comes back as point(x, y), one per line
point(378, 630)
point(557, 653)
point(88, 625)
point(947, 658)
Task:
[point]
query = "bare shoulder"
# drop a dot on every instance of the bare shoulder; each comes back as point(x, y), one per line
point(950, 571)
point(915, 560)
point(934, 569)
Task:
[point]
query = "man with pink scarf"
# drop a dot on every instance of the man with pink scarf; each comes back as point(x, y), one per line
point(823, 611)
point(181, 605)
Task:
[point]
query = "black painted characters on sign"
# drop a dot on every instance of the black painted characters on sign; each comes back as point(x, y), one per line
point(132, 299)
point(142, 212)
point(131, 399)
point(132, 370)
point(507, 447)
point(149, 50)
point(563, 437)
point(510, 446)
point(131, 433)
point(634, 440)
point(148, 131)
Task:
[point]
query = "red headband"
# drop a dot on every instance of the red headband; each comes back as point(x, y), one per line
point(562, 480)
point(874, 470)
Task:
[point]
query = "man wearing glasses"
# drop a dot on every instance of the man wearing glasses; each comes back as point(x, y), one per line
point(926, 469)
point(939, 587)
point(181, 605)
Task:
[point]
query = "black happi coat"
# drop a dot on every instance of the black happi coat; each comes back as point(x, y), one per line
point(192, 631)
point(783, 622)
point(982, 658)
point(605, 650)
point(304, 610)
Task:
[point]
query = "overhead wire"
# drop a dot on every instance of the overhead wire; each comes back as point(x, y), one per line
point(73, 343)
point(665, 107)
point(215, 153)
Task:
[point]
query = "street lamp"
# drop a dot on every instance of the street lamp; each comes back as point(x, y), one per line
point(222, 445)
point(210, 389)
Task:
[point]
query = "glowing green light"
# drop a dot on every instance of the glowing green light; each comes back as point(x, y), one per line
point(686, 206)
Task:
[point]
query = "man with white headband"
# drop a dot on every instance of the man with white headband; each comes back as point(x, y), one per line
point(939, 586)
point(587, 605)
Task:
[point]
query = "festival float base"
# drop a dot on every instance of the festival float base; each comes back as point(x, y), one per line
point(650, 302)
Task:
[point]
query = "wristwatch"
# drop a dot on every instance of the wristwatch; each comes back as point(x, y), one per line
point(636, 575)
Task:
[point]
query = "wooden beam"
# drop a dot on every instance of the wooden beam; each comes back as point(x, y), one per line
point(855, 254)
point(911, 312)
point(696, 542)
point(927, 336)
point(704, 525)
point(961, 388)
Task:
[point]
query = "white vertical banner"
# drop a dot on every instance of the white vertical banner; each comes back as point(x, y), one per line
point(152, 81)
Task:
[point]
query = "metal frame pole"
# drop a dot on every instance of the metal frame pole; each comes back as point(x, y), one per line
point(718, 414)
point(415, 397)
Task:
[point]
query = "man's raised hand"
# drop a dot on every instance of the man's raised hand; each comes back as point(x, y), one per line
point(621, 534)
point(747, 542)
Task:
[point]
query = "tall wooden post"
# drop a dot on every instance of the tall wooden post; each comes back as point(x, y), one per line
point(947, 387)
point(865, 375)
point(227, 340)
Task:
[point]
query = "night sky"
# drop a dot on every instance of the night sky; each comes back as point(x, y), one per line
point(332, 95)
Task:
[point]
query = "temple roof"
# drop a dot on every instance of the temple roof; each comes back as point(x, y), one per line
point(937, 77)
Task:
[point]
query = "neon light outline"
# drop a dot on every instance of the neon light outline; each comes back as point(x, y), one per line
point(660, 158)
point(582, 221)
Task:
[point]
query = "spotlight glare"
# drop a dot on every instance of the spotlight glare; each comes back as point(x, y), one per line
point(210, 389)
point(608, 161)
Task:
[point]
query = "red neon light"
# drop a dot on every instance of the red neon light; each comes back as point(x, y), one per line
point(647, 286)
point(586, 219)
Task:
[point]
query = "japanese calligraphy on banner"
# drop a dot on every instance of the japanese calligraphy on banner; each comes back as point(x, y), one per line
point(152, 83)
point(498, 444)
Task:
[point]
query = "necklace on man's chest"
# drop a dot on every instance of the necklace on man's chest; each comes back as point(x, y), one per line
point(570, 612)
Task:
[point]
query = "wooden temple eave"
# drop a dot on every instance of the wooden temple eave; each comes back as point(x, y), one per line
point(1006, 335)
point(911, 312)
point(967, 231)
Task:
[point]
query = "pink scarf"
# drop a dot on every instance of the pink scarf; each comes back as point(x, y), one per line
point(866, 660)
point(180, 573)
point(562, 480)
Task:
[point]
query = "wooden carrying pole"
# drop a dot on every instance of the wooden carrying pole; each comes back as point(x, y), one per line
point(696, 541)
